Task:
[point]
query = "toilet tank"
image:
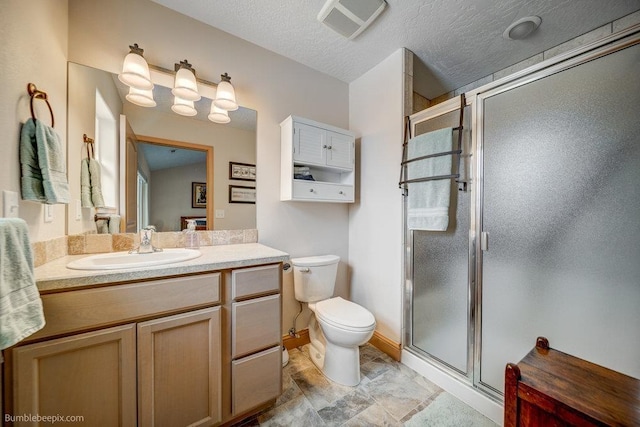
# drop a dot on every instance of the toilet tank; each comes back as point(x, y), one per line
point(314, 278)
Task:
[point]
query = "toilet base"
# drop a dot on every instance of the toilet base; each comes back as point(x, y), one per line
point(342, 364)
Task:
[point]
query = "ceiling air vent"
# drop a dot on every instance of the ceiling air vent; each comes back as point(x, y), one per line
point(350, 17)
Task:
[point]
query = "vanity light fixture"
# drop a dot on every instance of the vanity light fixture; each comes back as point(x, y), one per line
point(184, 107)
point(143, 98)
point(225, 94)
point(135, 70)
point(218, 115)
point(185, 85)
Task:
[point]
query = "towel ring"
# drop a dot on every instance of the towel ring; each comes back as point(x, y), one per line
point(38, 94)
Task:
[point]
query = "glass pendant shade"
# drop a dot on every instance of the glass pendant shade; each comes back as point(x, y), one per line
point(185, 85)
point(184, 107)
point(226, 95)
point(218, 115)
point(143, 98)
point(135, 72)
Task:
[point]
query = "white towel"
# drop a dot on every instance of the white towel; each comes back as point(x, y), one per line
point(20, 305)
point(428, 201)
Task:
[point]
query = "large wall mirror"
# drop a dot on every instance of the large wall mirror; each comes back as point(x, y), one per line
point(157, 167)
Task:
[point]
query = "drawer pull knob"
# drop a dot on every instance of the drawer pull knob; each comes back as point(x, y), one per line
point(311, 190)
point(340, 192)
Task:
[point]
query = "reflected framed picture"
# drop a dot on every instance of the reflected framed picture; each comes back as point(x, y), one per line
point(198, 194)
point(242, 171)
point(240, 194)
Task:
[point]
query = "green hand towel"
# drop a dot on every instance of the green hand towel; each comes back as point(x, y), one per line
point(43, 164)
point(31, 177)
point(96, 186)
point(85, 184)
point(20, 305)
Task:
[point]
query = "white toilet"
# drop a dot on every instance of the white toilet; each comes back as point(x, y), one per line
point(338, 326)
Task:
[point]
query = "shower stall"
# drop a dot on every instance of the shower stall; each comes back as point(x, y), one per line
point(544, 230)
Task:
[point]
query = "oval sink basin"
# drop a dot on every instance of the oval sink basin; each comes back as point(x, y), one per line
point(116, 260)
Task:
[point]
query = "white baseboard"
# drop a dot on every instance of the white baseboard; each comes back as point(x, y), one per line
point(468, 395)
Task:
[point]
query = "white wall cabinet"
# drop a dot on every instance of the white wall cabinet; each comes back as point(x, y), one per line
point(329, 154)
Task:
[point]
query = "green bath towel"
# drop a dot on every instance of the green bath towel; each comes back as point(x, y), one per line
point(20, 305)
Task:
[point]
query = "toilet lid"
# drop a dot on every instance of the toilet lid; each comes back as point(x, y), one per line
point(346, 313)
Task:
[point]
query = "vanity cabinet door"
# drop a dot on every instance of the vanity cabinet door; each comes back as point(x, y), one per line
point(90, 375)
point(179, 369)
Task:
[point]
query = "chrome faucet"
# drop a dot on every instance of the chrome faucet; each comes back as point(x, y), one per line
point(146, 246)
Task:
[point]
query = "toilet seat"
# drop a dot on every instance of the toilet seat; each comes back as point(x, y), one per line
point(345, 315)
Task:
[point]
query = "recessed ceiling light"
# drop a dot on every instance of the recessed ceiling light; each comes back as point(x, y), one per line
point(522, 28)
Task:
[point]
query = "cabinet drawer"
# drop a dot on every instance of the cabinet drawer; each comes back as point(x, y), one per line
point(249, 282)
point(255, 325)
point(316, 190)
point(114, 304)
point(256, 379)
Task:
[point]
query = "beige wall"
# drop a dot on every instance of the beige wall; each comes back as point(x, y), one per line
point(34, 49)
point(171, 195)
point(99, 33)
point(375, 221)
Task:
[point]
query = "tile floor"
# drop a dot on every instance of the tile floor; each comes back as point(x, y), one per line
point(389, 394)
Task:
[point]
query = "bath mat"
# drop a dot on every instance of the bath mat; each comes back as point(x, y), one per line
point(446, 411)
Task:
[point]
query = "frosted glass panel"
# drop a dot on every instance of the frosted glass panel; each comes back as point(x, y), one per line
point(562, 209)
point(440, 278)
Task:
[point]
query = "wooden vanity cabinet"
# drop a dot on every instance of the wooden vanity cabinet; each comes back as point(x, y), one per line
point(551, 388)
point(191, 350)
point(157, 369)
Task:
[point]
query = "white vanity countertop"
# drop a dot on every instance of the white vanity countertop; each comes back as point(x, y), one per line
point(55, 275)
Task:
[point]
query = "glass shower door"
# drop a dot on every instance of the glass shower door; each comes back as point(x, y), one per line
point(561, 206)
point(440, 315)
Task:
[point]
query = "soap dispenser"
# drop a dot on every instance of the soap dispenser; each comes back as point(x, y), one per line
point(191, 240)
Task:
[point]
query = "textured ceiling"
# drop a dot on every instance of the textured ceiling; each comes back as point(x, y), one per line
point(456, 41)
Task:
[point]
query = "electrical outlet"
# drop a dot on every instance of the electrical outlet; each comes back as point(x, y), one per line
point(10, 204)
point(219, 213)
point(48, 213)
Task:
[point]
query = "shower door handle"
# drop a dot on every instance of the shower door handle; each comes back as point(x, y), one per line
point(484, 241)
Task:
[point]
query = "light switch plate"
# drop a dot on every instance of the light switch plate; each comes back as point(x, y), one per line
point(48, 213)
point(219, 213)
point(10, 204)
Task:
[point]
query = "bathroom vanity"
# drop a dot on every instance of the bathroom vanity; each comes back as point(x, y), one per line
point(193, 343)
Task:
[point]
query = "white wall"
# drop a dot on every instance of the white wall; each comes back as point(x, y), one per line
point(375, 222)
point(99, 35)
point(34, 50)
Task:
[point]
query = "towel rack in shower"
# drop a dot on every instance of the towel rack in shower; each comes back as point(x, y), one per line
point(34, 93)
point(457, 151)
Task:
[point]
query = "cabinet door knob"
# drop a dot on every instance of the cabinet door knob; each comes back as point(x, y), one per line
point(329, 147)
point(311, 190)
point(324, 146)
point(340, 192)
